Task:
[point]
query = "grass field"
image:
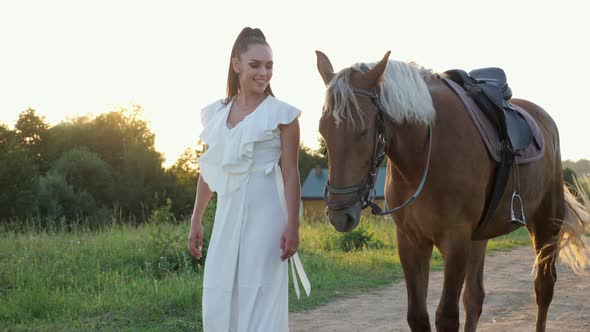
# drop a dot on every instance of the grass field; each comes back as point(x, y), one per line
point(141, 278)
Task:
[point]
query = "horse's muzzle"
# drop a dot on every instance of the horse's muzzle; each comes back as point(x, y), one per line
point(345, 220)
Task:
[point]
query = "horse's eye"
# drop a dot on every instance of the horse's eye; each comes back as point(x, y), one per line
point(363, 132)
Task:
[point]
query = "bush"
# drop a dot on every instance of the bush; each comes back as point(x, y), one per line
point(58, 198)
point(166, 241)
point(169, 244)
point(18, 183)
point(85, 171)
point(356, 240)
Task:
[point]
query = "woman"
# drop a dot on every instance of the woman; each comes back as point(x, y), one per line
point(256, 229)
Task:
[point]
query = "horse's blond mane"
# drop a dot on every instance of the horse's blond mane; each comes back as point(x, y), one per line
point(403, 94)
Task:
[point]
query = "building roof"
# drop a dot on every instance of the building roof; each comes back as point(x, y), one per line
point(313, 185)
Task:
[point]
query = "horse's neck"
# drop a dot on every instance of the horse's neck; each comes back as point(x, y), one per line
point(407, 149)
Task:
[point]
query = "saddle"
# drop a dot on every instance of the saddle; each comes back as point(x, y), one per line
point(488, 88)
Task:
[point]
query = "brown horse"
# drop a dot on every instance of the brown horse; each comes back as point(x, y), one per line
point(426, 124)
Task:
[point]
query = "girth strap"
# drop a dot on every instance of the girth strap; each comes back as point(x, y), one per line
point(498, 188)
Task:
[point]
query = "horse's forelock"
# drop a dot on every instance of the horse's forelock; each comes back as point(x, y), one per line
point(341, 99)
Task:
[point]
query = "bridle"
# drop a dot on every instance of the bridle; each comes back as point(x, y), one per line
point(365, 191)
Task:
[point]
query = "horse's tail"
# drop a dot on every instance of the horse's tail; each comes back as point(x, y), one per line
point(573, 243)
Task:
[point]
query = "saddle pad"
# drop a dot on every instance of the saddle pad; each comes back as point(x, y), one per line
point(489, 134)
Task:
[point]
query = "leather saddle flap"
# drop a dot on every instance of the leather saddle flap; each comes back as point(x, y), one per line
point(489, 133)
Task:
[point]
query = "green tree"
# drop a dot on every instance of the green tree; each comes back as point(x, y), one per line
point(185, 173)
point(124, 141)
point(86, 172)
point(78, 184)
point(31, 133)
point(580, 167)
point(308, 158)
point(7, 137)
point(18, 182)
point(574, 182)
point(58, 198)
point(67, 135)
point(186, 167)
point(142, 180)
point(569, 176)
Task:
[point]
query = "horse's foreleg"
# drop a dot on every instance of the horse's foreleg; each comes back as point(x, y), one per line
point(474, 291)
point(456, 255)
point(415, 258)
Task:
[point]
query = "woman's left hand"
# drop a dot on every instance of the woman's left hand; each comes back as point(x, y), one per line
point(289, 241)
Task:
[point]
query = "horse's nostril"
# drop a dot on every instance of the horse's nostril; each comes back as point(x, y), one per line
point(349, 219)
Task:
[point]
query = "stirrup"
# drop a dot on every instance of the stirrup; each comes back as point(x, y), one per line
point(513, 218)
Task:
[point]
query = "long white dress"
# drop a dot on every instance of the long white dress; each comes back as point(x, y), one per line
point(245, 286)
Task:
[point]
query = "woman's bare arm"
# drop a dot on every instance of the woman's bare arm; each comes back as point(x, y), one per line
point(201, 200)
point(196, 233)
point(290, 170)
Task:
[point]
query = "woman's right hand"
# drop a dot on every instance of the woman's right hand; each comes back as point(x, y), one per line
point(195, 239)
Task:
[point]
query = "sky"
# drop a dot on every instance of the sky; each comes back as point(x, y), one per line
point(69, 58)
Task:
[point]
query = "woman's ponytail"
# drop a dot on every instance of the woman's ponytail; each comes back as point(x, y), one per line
point(247, 37)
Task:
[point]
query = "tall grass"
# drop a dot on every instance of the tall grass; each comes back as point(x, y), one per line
point(141, 278)
point(115, 277)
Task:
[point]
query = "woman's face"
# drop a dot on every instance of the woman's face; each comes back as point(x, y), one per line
point(254, 68)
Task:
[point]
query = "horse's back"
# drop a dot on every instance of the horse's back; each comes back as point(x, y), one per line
point(542, 117)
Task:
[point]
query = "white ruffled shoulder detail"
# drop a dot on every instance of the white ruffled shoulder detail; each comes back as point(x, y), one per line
point(210, 115)
point(226, 163)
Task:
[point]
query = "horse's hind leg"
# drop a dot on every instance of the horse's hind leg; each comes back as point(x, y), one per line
point(415, 258)
point(545, 232)
point(474, 293)
point(544, 243)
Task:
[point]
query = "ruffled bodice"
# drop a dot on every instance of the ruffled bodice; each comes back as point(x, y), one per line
point(253, 144)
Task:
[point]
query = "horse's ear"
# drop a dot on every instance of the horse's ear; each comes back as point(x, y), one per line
point(376, 75)
point(325, 67)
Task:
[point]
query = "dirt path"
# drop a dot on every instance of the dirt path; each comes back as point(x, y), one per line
point(509, 304)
